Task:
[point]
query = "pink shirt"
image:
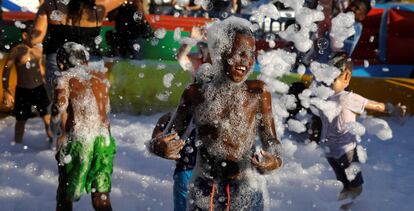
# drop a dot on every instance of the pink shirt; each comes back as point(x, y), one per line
point(336, 139)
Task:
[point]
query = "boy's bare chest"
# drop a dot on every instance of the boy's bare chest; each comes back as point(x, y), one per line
point(29, 59)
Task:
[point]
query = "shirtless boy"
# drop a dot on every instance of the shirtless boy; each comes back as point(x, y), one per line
point(30, 93)
point(227, 111)
point(85, 159)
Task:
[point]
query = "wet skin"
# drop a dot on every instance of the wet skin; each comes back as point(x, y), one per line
point(257, 100)
point(240, 59)
point(100, 91)
point(63, 95)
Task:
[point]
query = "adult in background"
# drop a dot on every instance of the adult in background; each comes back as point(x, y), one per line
point(132, 29)
point(62, 21)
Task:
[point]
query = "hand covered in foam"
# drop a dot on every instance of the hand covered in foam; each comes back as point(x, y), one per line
point(167, 146)
point(267, 163)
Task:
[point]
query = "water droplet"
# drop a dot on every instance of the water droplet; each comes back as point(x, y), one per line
point(67, 159)
point(136, 46)
point(189, 150)
point(160, 33)
point(56, 15)
point(321, 51)
point(222, 199)
point(98, 40)
point(154, 41)
point(323, 43)
point(366, 63)
point(65, 2)
point(137, 16)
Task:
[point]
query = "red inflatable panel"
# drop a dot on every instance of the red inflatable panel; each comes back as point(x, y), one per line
point(368, 44)
point(400, 37)
point(171, 22)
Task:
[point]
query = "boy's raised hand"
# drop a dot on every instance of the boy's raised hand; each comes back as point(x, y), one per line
point(268, 163)
point(167, 146)
point(198, 33)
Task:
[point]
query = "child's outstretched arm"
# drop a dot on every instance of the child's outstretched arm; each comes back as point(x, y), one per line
point(7, 95)
point(272, 158)
point(398, 110)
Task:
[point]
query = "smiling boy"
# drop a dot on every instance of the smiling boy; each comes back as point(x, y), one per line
point(228, 112)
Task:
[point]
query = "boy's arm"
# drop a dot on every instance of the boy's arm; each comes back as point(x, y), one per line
point(375, 106)
point(183, 58)
point(40, 25)
point(388, 108)
point(42, 67)
point(7, 95)
point(165, 144)
point(60, 103)
point(271, 146)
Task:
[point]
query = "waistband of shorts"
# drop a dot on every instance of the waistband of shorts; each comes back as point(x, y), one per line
point(28, 89)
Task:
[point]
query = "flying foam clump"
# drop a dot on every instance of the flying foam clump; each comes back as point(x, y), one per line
point(342, 28)
point(274, 64)
point(300, 35)
point(378, 127)
point(324, 73)
point(265, 10)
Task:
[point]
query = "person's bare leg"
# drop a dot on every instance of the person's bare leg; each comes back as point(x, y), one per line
point(19, 131)
point(46, 121)
point(64, 204)
point(101, 201)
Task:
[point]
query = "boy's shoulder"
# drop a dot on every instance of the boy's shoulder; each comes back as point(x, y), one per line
point(20, 49)
point(255, 86)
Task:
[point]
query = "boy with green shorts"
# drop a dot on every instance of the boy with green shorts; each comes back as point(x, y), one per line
point(80, 109)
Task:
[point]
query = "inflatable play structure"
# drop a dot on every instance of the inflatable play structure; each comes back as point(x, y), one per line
point(384, 68)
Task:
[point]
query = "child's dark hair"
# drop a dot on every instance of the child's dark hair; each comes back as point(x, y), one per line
point(27, 27)
point(72, 54)
point(342, 61)
point(234, 29)
point(367, 4)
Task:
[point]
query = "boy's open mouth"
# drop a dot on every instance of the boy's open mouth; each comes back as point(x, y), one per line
point(240, 70)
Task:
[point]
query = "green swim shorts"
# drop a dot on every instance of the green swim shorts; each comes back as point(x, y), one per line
point(86, 165)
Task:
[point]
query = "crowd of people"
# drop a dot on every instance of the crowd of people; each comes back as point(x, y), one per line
point(212, 133)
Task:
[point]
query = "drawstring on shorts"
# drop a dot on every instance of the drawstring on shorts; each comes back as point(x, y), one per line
point(212, 196)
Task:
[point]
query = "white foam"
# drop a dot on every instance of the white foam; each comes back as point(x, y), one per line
point(342, 28)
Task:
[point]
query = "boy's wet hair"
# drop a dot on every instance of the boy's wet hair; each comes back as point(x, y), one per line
point(342, 62)
point(72, 54)
point(237, 29)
